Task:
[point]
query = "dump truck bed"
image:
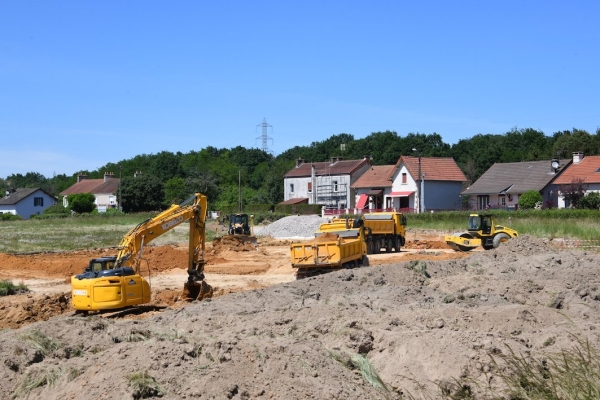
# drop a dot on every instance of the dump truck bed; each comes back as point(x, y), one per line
point(327, 254)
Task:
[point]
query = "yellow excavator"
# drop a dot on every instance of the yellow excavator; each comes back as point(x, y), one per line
point(115, 282)
point(482, 231)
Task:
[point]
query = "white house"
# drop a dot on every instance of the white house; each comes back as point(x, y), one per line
point(397, 187)
point(26, 202)
point(326, 183)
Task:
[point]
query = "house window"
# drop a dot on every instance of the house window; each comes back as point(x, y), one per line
point(291, 188)
point(38, 201)
point(404, 177)
point(309, 187)
point(335, 186)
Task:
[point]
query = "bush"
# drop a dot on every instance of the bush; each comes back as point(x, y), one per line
point(8, 288)
point(590, 201)
point(529, 199)
point(82, 202)
point(9, 217)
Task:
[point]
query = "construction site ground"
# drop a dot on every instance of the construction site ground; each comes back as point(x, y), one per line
point(425, 318)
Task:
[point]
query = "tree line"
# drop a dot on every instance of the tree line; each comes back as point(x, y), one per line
point(222, 173)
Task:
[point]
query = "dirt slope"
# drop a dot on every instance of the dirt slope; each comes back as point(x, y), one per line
point(419, 323)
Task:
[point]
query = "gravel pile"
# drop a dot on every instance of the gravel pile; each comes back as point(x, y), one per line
point(292, 227)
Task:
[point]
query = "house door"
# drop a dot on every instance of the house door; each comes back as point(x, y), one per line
point(404, 202)
point(482, 202)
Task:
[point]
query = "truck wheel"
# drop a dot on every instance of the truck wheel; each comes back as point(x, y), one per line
point(500, 238)
point(397, 243)
point(365, 261)
point(388, 245)
point(370, 246)
point(377, 248)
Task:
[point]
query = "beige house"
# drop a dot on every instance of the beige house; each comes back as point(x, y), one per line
point(105, 190)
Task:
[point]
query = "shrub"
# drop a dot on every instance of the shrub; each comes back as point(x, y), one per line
point(591, 201)
point(82, 202)
point(529, 199)
point(8, 288)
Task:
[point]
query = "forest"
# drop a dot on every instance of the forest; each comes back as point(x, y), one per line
point(219, 173)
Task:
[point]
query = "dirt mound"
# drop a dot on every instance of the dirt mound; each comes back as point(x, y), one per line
point(24, 309)
point(231, 243)
point(424, 318)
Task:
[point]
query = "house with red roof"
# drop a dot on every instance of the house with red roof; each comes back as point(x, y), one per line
point(105, 190)
point(327, 183)
point(398, 187)
point(584, 171)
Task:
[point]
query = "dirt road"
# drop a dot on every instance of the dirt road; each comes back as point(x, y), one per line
point(231, 267)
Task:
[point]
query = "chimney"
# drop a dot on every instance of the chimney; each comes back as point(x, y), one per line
point(108, 175)
point(81, 177)
point(334, 160)
point(299, 162)
point(368, 157)
point(577, 157)
point(137, 173)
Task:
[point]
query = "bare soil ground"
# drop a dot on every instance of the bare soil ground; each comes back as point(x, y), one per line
point(424, 317)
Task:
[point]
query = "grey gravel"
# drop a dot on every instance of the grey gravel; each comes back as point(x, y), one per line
point(292, 227)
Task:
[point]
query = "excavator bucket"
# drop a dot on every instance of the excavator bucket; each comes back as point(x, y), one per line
point(196, 291)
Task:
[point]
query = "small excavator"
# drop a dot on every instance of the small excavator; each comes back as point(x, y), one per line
point(116, 282)
point(482, 231)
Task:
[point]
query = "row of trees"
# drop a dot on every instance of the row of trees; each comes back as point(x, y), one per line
point(219, 173)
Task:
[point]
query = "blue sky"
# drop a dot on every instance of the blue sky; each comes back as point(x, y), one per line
point(85, 83)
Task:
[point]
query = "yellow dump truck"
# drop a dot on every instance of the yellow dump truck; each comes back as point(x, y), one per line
point(338, 244)
point(387, 231)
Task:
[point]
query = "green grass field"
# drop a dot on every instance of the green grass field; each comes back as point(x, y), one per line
point(99, 231)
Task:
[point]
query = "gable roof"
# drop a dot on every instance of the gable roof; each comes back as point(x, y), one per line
point(434, 168)
point(340, 167)
point(20, 194)
point(515, 177)
point(588, 169)
point(376, 176)
point(94, 186)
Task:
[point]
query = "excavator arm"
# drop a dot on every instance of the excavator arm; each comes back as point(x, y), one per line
point(192, 210)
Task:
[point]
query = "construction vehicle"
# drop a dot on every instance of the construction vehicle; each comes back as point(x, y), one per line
point(242, 226)
point(387, 231)
point(337, 244)
point(482, 231)
point(116, 282)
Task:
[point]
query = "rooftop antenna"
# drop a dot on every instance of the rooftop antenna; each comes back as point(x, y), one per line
point(265, 138)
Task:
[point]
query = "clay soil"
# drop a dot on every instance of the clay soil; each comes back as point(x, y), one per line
point(426, 317)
